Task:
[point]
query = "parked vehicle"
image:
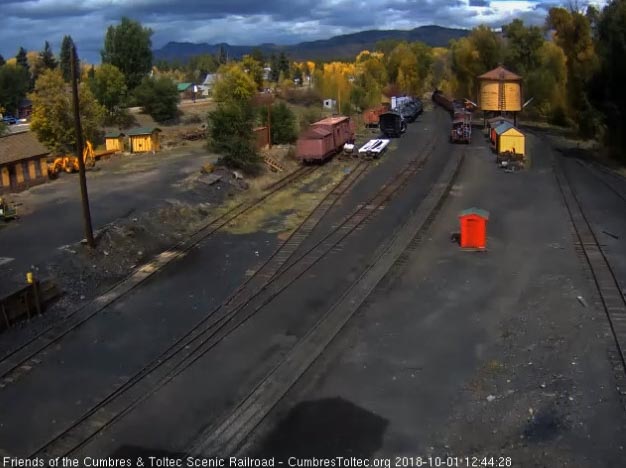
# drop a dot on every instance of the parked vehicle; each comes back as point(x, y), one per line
point(392, 124)
point(324, 138)
point(70, 163)
point(10, 120)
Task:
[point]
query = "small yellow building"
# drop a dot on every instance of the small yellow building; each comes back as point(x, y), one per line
point(143, 140)
point(114, 141)
point(509, 138)
point(23, 162)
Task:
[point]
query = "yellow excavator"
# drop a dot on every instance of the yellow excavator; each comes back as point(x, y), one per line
point(69, 164)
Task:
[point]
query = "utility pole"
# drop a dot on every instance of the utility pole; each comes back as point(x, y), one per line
point(269, 124)
point(79, 153)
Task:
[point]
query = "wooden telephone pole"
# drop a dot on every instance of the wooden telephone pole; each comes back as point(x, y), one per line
point(79, 153)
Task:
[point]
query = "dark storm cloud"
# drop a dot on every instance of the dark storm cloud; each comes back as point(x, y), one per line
point(30, 23)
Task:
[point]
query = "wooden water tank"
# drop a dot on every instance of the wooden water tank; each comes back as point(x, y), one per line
point(500, 90)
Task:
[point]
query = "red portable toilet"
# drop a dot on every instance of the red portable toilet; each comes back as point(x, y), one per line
point(474, 228)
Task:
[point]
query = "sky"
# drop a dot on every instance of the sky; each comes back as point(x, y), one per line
point(245, 22)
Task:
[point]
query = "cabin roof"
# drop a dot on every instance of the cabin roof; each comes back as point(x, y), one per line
point(142, 131)
point(23, 145)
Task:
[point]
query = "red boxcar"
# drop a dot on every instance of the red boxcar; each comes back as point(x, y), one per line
point(324, 138)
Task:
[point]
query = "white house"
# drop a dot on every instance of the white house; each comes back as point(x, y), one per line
point(207, 85)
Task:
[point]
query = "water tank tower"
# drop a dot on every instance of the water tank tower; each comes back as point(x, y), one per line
point(500, 91)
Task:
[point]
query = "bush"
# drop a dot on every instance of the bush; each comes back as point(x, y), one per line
point(158, 98)
point(231, 135)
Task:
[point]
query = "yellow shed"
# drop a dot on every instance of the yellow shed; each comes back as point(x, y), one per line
point(510, 139)
point(143, 140)
point(114, 141)
point(500, 90)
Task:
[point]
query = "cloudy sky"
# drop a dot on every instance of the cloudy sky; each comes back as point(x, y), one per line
point(29, 23)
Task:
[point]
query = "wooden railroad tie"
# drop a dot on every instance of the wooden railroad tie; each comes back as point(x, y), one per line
point(273, 164)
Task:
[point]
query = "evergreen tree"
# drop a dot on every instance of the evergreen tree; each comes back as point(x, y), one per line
point(275, 68)
point(283, 65)
point(48, 60)
point(66, 58)
point(222, 57)
point(22, 59)
point(2, 61)
point(257, 54)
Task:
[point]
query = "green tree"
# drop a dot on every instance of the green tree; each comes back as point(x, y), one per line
point(472, 56)
point(387, 45)
point(283, 124)
point(158, 97)
point(283, 65)
point(47, 58)
point(610, 92)
point(65, 58)
point(257, 54)
point(232, 122)
point(523, 46)
point(2, 61)
point(53, 118)
point(128, 46)
point(109, 87)
point(222, 56)
point(22, 59)
point(234, 85)
point(546, 84)
point(254, 69)
point(14, 84)
point(231, 136)
point(202, 64)
point(573, 35)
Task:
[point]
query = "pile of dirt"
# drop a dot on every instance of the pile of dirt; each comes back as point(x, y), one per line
point(83, 273)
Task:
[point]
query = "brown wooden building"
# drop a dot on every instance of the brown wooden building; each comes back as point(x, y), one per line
point(23, 162)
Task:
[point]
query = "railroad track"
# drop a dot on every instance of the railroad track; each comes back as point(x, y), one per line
point(22, 359)
point(607, 284)
point(275, 276)
point(228, 436)
point(611, 187)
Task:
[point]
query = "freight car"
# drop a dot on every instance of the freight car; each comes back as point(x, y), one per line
point(461, 131)
point(371, 116)
point(324, 138)
point(392, 124)
point(442, 100)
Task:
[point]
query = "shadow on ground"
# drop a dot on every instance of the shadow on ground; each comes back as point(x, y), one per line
point(325, 428)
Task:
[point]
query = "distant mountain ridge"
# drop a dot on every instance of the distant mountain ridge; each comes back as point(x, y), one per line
point(337, 47)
